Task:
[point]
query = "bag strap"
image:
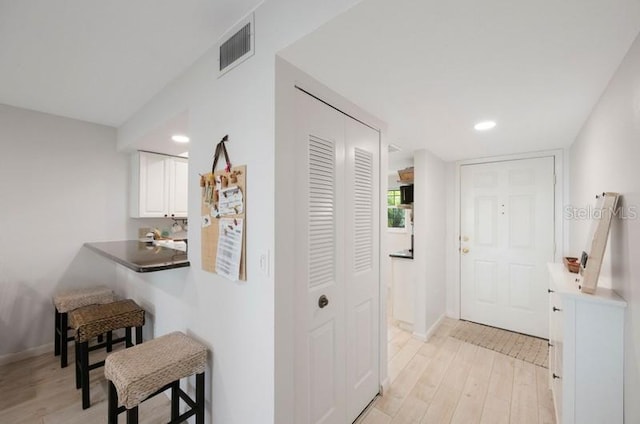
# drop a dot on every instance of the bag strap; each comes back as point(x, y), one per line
point(221, 148)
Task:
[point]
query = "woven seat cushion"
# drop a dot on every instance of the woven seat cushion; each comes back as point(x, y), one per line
point(73, 299)
point(93, 320)
point(143, 369)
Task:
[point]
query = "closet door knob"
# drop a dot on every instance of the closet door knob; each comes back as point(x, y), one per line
point(323, 301)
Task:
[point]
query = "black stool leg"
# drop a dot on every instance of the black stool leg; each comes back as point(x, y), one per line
point(132, 415)
point(175, 400)
point(56, 334)
point(64, 343)
point(200, 398)
point(138, 335)
point(84, 368)
point(113, 404)
point(100, 338)
point(128, 338)
point(78, 365)
point(109, 341)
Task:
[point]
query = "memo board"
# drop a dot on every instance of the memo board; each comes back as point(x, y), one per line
point(591, 261)
point(210, 234)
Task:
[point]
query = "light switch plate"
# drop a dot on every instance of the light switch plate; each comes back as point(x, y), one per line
point(265, 261)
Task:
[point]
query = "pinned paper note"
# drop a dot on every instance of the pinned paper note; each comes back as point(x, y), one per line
point(229, 248)
point(230, 202)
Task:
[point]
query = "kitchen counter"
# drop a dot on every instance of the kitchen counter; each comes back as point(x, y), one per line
point(140, 256)
point(406, 254)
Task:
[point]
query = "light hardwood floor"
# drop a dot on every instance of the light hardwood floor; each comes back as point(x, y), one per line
point(442, 381)
point(449, 381)
point(38, 391)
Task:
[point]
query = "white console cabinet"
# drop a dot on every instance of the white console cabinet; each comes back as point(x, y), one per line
point(159, 186)
point(586, 338)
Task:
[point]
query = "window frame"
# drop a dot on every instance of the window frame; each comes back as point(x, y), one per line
point(397, 196)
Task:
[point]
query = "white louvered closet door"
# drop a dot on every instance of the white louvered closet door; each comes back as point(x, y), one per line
point(337, 278)
point(362, 265)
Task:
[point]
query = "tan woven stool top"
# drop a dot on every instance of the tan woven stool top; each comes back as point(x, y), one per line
point(143, 369)
point(77, 298)
point(93, 320)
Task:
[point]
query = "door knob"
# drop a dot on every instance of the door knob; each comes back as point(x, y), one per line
point(323, 301)
point(465, 250)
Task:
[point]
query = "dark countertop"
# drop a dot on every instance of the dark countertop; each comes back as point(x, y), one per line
point(405, 254)
point(139, 256)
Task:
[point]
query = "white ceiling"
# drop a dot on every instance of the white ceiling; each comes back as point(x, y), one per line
point(432, 69)
point(101, 60)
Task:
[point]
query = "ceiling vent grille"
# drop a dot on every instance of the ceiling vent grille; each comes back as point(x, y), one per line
point(236, 46)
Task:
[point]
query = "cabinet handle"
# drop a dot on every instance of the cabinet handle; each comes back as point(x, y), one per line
point(165, 215)
point(555, 376)
point(556, 309)
point(550, 291)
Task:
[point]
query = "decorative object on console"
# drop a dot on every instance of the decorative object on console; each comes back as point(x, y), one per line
point(572, 264)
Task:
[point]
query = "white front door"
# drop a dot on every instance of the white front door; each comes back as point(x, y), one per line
point(337, 274)
point(506, 239)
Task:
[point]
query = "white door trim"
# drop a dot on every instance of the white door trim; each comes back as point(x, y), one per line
point(560, 232)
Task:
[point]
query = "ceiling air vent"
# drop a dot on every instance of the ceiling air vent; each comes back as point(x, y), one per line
point(236, 45)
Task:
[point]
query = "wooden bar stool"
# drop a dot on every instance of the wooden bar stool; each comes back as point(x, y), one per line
point(146, 370)
point(67, 301)
point(90, 321)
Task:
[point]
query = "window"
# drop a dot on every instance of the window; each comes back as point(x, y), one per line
point(395, 214)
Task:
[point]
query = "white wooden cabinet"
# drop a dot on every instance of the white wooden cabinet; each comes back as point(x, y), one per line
point(586, 338)
point(159, 186)
point(402, 291)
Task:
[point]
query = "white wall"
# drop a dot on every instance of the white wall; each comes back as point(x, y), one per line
point(605, 157)
point(62, 183)
point(236, 319)
point(429, 240)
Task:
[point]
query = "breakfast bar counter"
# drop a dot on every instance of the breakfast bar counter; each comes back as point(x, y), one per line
point(140, 256)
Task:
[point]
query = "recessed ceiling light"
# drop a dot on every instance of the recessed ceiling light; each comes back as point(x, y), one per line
point(180, 138)
point(484, 125)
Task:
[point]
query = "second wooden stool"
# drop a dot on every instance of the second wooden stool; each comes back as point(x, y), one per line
point(66, 301)
point(90, 321)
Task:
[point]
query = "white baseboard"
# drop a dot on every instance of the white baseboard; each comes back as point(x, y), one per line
point(29, 353)
point(420, 336)
point(424, 337)
point(384, 385)
point(432, 329)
